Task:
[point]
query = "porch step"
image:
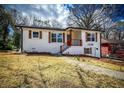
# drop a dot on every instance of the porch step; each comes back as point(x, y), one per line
point(74, 50)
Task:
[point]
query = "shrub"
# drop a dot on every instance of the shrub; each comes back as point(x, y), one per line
point(10, 45)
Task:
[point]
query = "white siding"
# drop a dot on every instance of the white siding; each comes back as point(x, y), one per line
point(93, 45)
point(77, 50)
point(39, 45)
point(43, 45)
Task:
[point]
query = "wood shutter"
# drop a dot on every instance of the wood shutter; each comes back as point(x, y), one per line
point(63, 37)
point(49, 36)
point(96, 37)
point(30, 34)
point(40, 34)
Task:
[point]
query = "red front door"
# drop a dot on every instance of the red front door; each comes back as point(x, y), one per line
point(69, 40)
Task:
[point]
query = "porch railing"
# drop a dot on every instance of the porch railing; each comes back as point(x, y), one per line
point(76, 42)
point(63, 47)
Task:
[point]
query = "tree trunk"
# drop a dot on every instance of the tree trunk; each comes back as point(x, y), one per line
point(5, 38)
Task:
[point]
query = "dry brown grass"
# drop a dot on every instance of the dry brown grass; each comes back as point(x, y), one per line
point(48, 71)
point(103, 62)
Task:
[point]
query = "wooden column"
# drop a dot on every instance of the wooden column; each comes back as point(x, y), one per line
point(21, 39)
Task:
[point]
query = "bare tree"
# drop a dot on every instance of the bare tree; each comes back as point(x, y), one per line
point(20, 19)
point(29, 20)
point(117, 31)
point(40, 23)
point(99, 17)
point(87, 16)
point(55, 23)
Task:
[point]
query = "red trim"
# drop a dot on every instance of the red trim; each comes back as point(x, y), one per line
point(30, 34)
point(63, 37)
point(69, 39)
point(49, 37)
point(40, 34)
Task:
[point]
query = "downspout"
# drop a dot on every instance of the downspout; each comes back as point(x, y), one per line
point(21, 40)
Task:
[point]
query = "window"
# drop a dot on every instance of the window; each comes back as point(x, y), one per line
point(59, 37)
point(56, 37)
point(53, 37)
point(35, 34)
point(88, 50)
point(90, 36)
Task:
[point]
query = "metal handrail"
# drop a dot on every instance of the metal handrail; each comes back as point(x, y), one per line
point(63, 47)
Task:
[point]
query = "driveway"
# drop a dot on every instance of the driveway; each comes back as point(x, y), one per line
point(96, 69)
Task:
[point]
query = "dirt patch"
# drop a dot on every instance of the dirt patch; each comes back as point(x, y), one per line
point(116, 62)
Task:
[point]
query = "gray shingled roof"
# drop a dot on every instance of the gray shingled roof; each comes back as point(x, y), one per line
point(60, 29)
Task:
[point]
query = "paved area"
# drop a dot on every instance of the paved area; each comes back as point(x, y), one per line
point(96, 69)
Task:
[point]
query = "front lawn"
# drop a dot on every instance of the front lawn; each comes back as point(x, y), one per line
point(48, 71)
point(103, 62)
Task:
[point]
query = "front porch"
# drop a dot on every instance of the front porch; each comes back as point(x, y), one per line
point(74, 38)
point(73, 44)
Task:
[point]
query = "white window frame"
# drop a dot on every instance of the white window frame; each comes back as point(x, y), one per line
point(91, 36)
point(89, 49)
point(57, 37)
point(33, 35)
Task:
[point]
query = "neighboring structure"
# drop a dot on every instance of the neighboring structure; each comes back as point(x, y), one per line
point(69, 41)
point(105, 48)
point(112, 47)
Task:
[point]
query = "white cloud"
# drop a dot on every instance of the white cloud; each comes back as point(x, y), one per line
point(122, 20)
point(51, 12)
point(45, 11)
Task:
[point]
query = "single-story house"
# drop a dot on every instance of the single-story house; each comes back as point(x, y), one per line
point(69, 41)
